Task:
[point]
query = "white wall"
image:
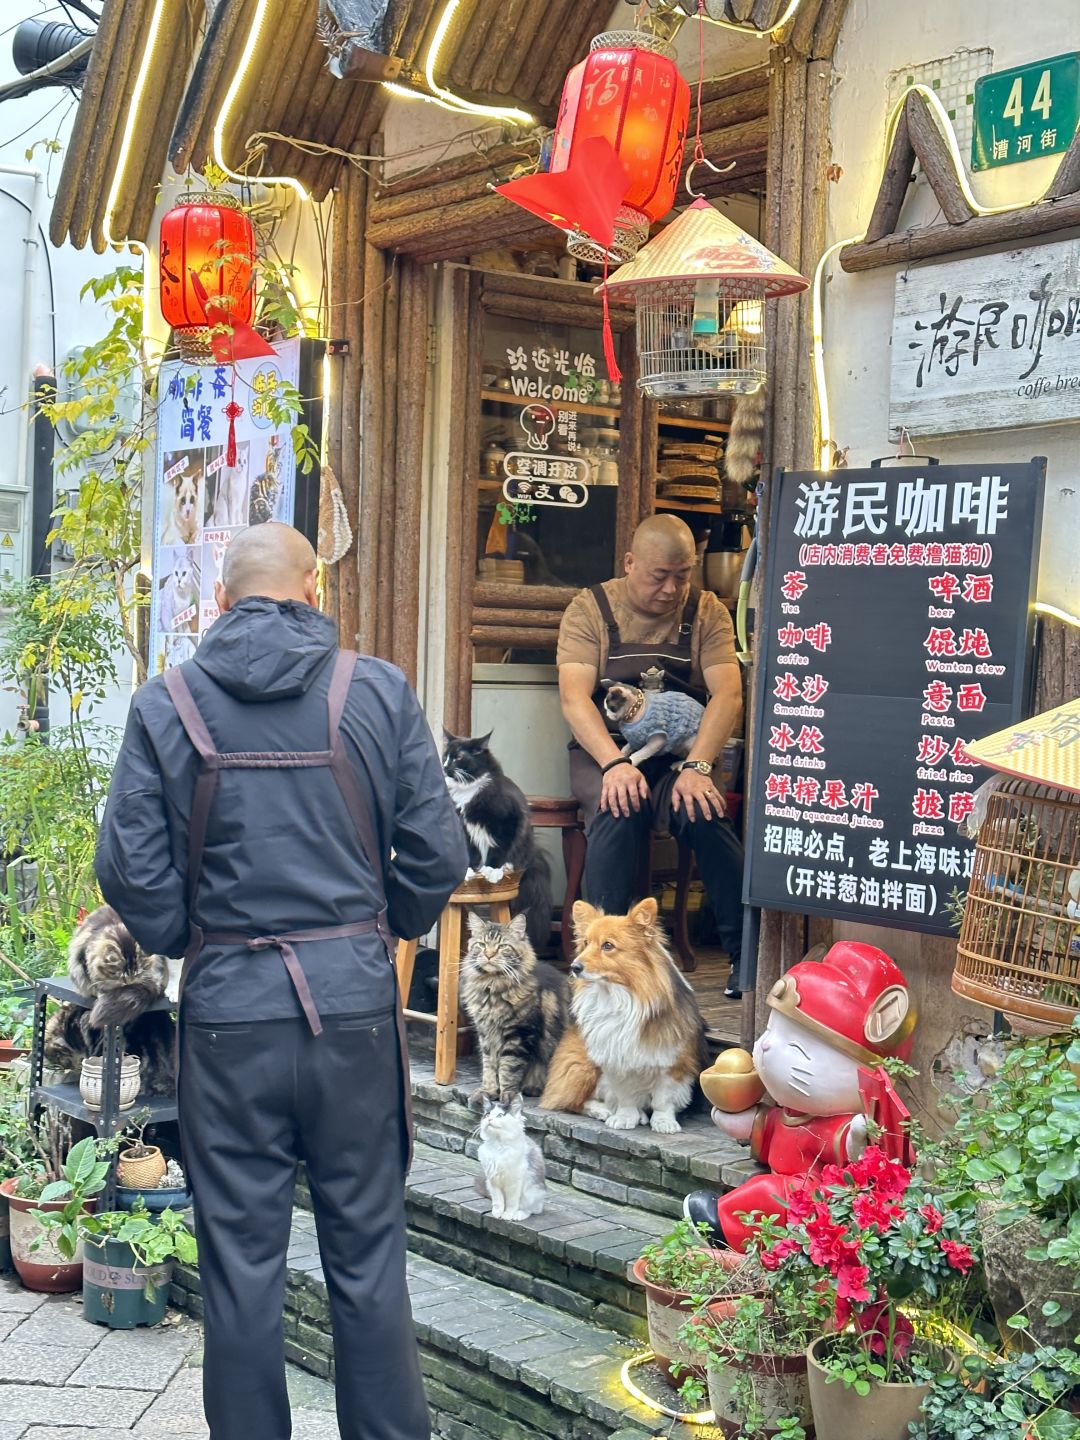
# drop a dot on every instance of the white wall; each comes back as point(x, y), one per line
point(878, 38)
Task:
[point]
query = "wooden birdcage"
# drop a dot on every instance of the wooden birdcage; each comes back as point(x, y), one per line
point(1019, 947)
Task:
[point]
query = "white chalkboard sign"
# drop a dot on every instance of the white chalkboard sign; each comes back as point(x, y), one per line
point(987, 343)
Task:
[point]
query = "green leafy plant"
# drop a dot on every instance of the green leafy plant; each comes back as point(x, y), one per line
point(153, 1239)
point(82, 1176)
point(683, 1262)
point(1018, 1140)
point(17, 1151)
point(1023, 1397)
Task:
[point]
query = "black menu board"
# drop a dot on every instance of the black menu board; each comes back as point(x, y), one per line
point(896, 629)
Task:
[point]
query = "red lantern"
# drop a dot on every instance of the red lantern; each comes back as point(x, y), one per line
point(627, 91)
point(207, 245)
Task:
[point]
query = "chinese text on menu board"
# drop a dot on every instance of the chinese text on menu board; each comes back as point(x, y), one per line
point(895, 631)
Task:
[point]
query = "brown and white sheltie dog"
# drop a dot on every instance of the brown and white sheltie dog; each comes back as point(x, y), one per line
point(637, 1044)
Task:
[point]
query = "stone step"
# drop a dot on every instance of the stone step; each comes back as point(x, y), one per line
point(628, 1167)
point(574, 1257)
point(498, 1365)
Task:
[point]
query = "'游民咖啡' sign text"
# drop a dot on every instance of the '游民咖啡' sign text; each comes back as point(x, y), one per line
point(895, 631)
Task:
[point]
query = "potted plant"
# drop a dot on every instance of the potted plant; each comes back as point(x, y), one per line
point(140, 1166)
point(681, 1274)
point(127, 1263)
point(755, 1358)
point(873, 1236)
point(61, 1190)
point(16, 1151)
point(15, 1026)
point(1022, 1397)
point(1015, 1149)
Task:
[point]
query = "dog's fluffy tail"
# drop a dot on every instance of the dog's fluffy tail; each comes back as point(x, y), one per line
point(572, 1076)
point(125, 1003)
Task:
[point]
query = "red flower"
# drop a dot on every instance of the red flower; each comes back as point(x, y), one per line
point(851, 1281)
point(800, 1205)
point(826, 1238)
point(934, 1219)
point(871, 1212)
point(959, 1256)
point(875, 1323)
point(774, 1258)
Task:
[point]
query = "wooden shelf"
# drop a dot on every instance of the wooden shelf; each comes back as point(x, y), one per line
point(688, 422)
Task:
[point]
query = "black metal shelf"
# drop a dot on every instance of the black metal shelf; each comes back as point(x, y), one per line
point(59, 987)
point(66, 1098)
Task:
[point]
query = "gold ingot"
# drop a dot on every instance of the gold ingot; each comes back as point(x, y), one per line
point(731, 1083)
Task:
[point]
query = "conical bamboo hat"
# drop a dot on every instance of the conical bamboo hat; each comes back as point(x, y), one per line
point(702, 242)
point(1045, 749)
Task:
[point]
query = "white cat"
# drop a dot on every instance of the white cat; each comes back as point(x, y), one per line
point(513, 1165)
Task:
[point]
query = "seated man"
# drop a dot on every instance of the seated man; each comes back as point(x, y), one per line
point(616, 631)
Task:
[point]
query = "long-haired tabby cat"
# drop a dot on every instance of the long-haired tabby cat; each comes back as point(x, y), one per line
point(105, 962)
point(495, 814)
point(519, 1007)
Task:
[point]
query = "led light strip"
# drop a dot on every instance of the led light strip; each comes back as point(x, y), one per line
point(818, 353)
point(702, 1417)
point(446, 98)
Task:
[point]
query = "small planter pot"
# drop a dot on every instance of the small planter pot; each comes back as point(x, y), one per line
point(883, 1414)
point(138, 1172)
point(155, 1200)
point(780, 1387)
point(10, 1051)
point(120, 1293)
point(44, 1268)
point(91, 1082)
point(668, 1311)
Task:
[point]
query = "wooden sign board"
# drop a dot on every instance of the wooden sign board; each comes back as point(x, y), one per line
point(987, 343)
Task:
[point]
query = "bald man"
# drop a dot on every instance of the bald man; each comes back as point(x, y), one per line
point(650, 619)
point(277, 812)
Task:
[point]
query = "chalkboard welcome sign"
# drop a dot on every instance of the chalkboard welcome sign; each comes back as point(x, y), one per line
point(896, 630)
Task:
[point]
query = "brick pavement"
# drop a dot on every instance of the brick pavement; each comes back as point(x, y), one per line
point(62, 1378)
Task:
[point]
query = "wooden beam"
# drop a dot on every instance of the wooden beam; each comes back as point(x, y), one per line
point(469, 509)
point(538, 619)
point(812, 243)
point(802, 27)
point(1045, 218)
point(556, 15)
point(894, 184)
point(371, 452)
point(87, 119)
point(350, 268)
point(460, 462)
point(491, 595)
point(500, 37)
point(408, 476)
point(827, 30)
point(1067, 179)
point(935, 159)
point(514, 637)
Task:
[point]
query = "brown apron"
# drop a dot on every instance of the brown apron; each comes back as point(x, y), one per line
point(337, 761)
point(626, 663)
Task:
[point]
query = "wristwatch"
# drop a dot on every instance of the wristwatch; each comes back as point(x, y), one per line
point(701, 766)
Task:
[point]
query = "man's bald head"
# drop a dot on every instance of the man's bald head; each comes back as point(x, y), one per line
point(659, 565)
point(272, 560)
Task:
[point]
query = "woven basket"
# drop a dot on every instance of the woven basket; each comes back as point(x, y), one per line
point(1019, 948)
point(145, 1171)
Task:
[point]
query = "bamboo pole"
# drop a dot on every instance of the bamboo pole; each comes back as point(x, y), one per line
point(106, 133)
point(1045, 218)
point(83, 131)
point(383, 578)
point(933, 153)
point(372, 451)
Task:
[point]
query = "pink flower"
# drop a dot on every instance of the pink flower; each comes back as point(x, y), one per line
point(874, 1323)
point(934, 1219)
point(959, 1256)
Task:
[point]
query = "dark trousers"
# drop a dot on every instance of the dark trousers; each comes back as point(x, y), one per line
point(614, 846)
point(255, 1099)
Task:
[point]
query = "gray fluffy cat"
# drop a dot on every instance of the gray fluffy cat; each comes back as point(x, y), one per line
point(518, 1005)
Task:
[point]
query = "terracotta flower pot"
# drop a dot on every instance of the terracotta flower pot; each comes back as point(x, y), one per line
point(10, 1051)
point(841, 1414)
point(781, 1388)
point(668, 1311)
point(5, 1235)
point(44, 1268)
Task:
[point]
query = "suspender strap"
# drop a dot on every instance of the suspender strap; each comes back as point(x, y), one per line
point(607, 615)
point(689, 615)
point(205, 783)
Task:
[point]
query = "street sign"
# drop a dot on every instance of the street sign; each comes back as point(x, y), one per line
point(1025, 112)
point(896, 631)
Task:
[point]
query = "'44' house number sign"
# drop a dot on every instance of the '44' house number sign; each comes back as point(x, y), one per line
point(1025, 112)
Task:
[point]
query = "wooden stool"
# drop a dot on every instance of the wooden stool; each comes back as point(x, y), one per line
point(548, 813)
point(447, 1018)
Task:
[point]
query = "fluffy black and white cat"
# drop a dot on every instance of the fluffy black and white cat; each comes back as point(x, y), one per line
point(495, 814)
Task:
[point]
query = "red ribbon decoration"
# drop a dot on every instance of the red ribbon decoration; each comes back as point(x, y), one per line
point(237, 340)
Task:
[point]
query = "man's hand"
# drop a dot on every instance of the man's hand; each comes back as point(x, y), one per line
point(623, 789)
point(698, 793)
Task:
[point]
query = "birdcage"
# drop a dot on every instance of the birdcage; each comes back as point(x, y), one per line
point(700, 289)
point(1019, 946)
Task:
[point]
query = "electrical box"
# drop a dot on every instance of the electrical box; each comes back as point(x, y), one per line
point(14, 516)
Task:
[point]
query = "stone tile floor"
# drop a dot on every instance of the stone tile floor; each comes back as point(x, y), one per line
point(62, 1378)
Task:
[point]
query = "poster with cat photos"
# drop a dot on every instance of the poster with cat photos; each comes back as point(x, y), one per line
point(201, 501)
